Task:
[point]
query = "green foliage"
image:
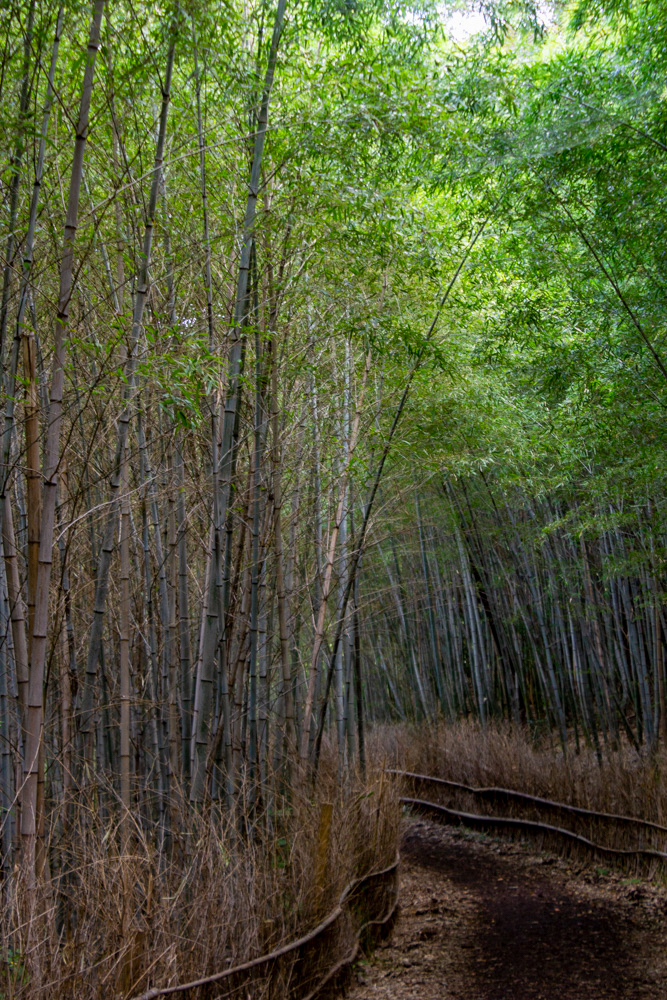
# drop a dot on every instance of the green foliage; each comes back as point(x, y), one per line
point(388, 145)
point(14, 971)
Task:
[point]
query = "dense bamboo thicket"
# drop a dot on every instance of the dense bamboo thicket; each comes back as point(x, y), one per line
point(333, 391)
point(507, 606)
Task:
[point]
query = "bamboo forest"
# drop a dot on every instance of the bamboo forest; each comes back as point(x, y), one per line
point(333, 499)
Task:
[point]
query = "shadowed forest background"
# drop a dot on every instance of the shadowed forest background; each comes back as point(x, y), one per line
point(334, 390)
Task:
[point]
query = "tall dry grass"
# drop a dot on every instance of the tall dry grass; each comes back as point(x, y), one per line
point(625, 782)
point(112, 924)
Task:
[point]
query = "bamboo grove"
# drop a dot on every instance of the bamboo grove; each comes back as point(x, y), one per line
point(333, 392)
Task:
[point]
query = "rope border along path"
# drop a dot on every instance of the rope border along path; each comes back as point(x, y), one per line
point(527, 824)
point(476, 819)
point(348, 906)
point(535, 800)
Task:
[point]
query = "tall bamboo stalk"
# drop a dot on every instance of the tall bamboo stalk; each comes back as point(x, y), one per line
point(35, 699)
point(140, 298)
point(225, 462)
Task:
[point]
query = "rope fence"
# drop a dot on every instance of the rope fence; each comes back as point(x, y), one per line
point(531, 824)
point(527, 824)
point(510, 793)
point(295, 968)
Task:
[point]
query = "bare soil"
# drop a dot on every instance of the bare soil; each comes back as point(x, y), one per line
point(487, 919)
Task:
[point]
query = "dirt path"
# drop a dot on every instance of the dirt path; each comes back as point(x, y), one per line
point(483, 919)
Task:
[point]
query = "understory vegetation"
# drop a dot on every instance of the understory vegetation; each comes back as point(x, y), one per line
point(113, 923)
point(500, 757)
point(332, 339)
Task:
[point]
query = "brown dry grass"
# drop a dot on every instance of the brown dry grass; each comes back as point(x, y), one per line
point(505, 756)
point(111, 925)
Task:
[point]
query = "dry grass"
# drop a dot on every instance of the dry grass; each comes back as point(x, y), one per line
point(504, 756)
point(111, 925)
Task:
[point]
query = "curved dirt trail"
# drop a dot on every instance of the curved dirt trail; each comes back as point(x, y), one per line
point(483, 919)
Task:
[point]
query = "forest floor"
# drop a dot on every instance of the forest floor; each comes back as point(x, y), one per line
point(486, 919)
